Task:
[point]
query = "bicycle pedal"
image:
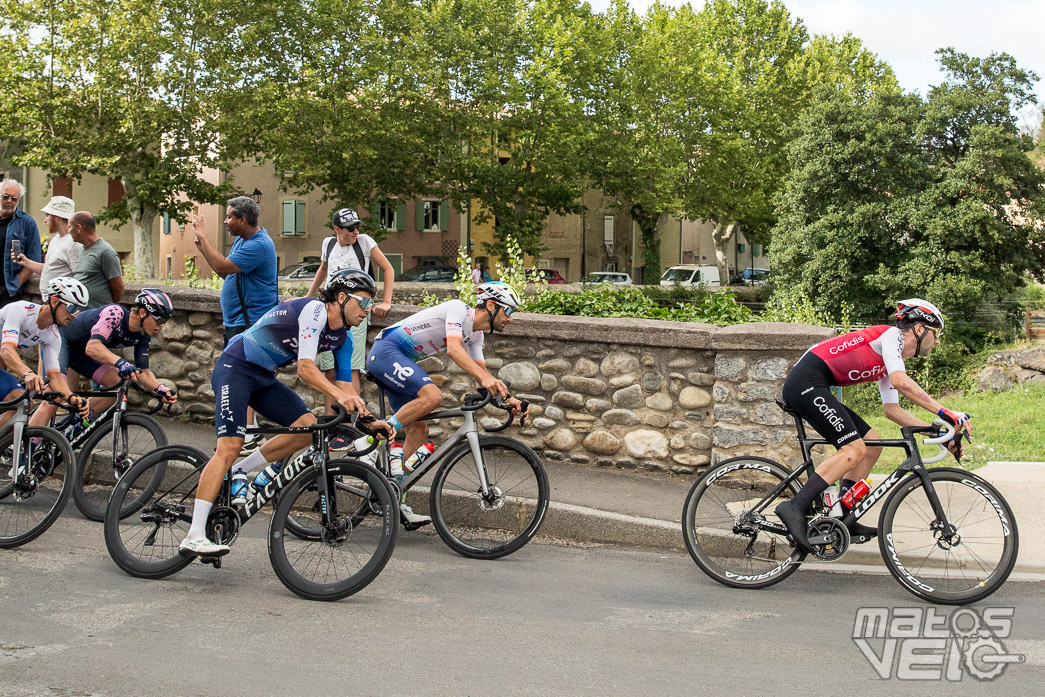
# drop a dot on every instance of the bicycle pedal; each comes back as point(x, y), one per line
point(213, 561)
point(410, 527)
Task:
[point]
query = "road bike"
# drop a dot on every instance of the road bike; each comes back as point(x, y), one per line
point(490, 493)
point(108, 445)
point(946, 535)
point(36, 473)
point(336, 558)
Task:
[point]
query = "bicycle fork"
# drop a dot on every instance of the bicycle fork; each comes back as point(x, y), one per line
point(480, 462)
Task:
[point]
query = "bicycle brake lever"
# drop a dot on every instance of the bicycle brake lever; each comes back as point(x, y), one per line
point(524, 405)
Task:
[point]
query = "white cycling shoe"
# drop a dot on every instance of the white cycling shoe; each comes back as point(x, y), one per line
point(201, 548)
point(413, 520)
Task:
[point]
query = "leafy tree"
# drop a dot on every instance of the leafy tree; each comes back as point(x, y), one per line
point(148, 93)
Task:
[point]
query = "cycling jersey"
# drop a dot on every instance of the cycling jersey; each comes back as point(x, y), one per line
point(19, 322)
point(110, 325)
point(424, 334)
point(862, 356)
point(291, 331)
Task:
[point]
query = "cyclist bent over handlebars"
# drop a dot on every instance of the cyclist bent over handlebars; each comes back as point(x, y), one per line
point(245, 374)
point(875, 353)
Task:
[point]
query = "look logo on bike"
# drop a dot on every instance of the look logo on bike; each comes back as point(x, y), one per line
point(452, 328)
point(245, 375)
point(875, 353)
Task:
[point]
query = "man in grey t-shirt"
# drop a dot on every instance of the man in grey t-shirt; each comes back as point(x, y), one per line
point(98, 266)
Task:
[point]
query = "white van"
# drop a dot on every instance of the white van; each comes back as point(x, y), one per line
point(691, 275)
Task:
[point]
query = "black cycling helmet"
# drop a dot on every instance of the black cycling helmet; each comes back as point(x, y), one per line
point(156, 303)
point(350, 281)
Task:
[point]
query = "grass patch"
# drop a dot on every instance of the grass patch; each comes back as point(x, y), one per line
point(1006, 426)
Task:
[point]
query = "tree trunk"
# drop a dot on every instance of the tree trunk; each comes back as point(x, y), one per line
point(721, 237)
point(650, 225)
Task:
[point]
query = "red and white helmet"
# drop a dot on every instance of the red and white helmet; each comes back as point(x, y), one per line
point(918, 310)
point(500, 292)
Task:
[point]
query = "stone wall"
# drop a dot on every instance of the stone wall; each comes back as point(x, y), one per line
point(660, 396)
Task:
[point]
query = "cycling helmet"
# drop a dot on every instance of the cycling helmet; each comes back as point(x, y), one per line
point(69, 290)
point(350, 281)
point(500, 292)
point(346, 217)
point(918, 310)
point(156, 303)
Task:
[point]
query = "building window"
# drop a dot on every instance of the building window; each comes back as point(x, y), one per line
point(387, 215)
point(741, 247)
point(433, 216)
point(293, 217)
point(607, 229)
point(756, 250)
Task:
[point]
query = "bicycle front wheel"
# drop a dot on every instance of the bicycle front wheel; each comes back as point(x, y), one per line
point(725, 533)
point(150, 511)
point(495, 524)
point(961, 560)
point(338, 557)
point(32, 502)
point(100, 466)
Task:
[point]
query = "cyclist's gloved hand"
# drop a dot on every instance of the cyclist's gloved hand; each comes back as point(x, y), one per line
point(168, 395)
point(955, 418)
point(126, 368)
point(956, 447)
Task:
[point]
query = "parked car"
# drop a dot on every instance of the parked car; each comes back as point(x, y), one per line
point(691, 275)
point(303, 271)
point(754, 277)
point(617, 278)
point(549, 275)
point(429, 274)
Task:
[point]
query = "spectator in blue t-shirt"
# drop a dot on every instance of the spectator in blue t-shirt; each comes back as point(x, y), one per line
point(15, 225)
point(250, 289)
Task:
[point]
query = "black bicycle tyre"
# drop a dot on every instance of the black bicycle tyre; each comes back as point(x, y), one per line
point(303, 532)
point(385, 533)
point(994, 519)
point(175, 494)
point(84, 503)
point(54, 508)
point(704, 549)
point(440, 499)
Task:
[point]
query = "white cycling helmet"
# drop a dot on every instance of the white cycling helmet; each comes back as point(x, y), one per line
point(918, 310)
point(69, 290)
point(500, 292)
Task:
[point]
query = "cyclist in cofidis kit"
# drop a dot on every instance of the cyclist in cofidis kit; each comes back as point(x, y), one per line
point(25, 325)
point(873, 354)
point(245, 374)
point(89, 342)
point(452, 328)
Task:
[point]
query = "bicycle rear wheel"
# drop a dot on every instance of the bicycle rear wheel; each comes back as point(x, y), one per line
point(32, 503)
point(143, 529)
point(99, 466)
point(725, 537)
point(495, 525)
point(961, 562)
point(341, 558)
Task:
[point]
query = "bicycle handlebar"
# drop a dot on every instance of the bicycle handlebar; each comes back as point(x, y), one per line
point(946, 437)
point(484, 397)
point(26, 394)
point(321, 425)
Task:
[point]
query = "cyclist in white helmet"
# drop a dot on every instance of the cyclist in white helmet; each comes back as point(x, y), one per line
point(873, 354)
point(25, 325)
point(452, 328)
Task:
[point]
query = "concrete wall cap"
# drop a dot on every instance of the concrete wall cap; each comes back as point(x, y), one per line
point(770, 336)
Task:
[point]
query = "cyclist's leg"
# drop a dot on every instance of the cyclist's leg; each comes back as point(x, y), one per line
point(284, 406)
point(10, 389)
point(106, 376)
point(409, 389)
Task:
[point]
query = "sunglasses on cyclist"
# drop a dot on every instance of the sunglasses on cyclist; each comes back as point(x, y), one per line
point(507, 310)
point(365, 303)
point(72, 309)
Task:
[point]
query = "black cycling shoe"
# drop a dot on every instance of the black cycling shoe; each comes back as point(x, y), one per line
point(796, 525)
point(859, 533)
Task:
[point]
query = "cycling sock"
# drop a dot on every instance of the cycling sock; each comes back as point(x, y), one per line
point(252, 462)
point(847, 484)
point(200, 513)
point(808, 493)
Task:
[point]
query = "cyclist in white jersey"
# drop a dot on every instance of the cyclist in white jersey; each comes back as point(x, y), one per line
point(452, 328)
point(25, 325)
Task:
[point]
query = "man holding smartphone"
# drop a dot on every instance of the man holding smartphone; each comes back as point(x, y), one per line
point(18, 235)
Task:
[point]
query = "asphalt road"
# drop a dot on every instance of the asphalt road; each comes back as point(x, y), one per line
point(553, 619)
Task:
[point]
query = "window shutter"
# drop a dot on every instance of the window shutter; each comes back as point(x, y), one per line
point(288, 217)
point(401, 216)
point(375, 214)
point(419, 215)
point(167, 224)
point(299, 217)
point(444, 216)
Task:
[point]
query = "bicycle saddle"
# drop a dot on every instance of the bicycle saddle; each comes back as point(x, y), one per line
point(785, 407)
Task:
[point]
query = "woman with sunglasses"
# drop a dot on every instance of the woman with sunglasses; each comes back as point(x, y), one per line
point(26, 325)
point(872, 354)
point(452, 328)
point(245, 373)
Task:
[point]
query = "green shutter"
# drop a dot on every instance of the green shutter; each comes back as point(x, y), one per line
point(740, 247)
point(400, 218)
point(288, 217)
point(299, 218)
point(375, 215)
point(166, 223)
point(444, 216)
point(419, 214)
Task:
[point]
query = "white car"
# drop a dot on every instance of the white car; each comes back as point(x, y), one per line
point(691, 275)
point(615, 277)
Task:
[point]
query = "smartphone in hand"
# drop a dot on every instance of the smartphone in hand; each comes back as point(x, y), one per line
point(16, 248)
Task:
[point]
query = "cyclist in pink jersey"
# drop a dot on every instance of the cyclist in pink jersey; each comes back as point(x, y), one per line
point(873, 354)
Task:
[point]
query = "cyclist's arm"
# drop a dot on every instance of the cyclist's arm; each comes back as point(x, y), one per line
point(317, 281)
point(13, 361)
point(100, 352)
point(459, 354)
point(910, 389)
point(314, 378)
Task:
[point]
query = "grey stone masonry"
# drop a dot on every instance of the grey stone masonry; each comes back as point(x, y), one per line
point(663, 396)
